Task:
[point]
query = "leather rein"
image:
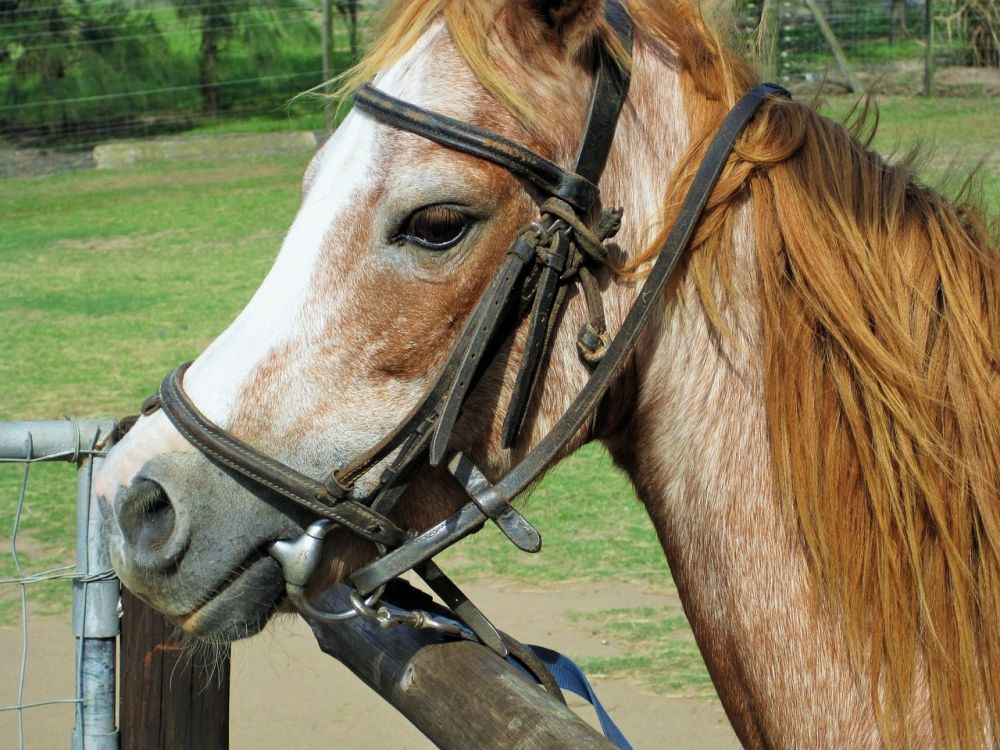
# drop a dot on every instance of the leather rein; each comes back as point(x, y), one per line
point(564, 244)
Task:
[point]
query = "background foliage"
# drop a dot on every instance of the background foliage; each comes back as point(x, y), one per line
point(82, 71)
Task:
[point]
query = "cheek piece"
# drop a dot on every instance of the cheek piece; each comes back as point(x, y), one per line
point(565, 245)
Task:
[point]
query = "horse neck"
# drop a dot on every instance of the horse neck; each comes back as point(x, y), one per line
point(696, 449)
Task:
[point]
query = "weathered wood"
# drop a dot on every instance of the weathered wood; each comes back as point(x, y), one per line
point(169, 698)
point(459, 694)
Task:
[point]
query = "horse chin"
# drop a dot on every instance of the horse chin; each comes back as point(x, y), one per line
point(241, 607)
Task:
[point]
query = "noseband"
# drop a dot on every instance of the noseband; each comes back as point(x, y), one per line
point(564, 245)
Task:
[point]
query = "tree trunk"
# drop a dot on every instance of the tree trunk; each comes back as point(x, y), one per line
point(897, 26)
point(349, 11)
point(211, 26)
point(928, 47)
point(768, 33)
point(983, 23)
point(352, 9)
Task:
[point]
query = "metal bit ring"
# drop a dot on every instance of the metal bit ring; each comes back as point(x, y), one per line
point(299, 559)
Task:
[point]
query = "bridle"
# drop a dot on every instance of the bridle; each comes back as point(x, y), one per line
point(564, 245)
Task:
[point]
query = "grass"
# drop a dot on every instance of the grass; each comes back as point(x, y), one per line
point(968, 123)
point(649, 637)
point(113, 277)
point(593, 528)
point(954, 135)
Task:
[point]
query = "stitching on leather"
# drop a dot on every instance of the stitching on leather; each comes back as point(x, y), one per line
point(324, 510)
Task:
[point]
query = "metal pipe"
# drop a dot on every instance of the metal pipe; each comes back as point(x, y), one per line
point(96, 589)
point(95, 618)
point(57, 440)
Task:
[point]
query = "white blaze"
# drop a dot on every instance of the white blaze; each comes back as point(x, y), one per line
point(272, 316)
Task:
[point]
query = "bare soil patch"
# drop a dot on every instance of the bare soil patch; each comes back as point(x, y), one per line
point(40, 162)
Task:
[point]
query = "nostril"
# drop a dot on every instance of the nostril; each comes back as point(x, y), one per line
point(150, 524)
point(154, 505)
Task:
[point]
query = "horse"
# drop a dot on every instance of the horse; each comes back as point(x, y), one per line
point(810, 416)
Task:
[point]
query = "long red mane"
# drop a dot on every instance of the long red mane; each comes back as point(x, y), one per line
point(881, 323)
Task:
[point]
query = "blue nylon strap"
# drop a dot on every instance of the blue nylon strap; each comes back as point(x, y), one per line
point(570, 677)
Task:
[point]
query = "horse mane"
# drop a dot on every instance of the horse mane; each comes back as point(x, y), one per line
point(472, 26)
point(880, 321)
point(880, 318)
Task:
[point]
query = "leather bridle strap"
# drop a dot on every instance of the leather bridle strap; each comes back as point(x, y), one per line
point(471, 518)
point(222, 448)
point(443, 403)
point(547, 176)
point(579, 187)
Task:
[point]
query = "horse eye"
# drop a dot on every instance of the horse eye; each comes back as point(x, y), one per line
point(435, 227)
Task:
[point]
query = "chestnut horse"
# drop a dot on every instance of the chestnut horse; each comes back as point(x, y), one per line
point(812, 418)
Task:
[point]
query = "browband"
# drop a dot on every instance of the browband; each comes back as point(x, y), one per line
point(460, 136)
point(579, 187)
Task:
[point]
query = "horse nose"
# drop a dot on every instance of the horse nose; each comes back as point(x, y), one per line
point(155, 534)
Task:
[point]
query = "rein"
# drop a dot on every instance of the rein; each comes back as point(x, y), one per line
point(565, 244)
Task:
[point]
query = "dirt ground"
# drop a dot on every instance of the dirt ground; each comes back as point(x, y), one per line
point(288, 695)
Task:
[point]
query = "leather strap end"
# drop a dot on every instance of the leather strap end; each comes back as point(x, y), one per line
point(521, 533)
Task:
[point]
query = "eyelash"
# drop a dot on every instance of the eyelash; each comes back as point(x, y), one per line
point(410, 231)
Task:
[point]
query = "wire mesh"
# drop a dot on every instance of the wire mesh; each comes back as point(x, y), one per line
point(80, 74)
point(79, 446)
point(77, 75)
point(883, 41)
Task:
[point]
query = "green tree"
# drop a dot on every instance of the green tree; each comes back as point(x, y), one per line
point(63, 59)
point(257, 27)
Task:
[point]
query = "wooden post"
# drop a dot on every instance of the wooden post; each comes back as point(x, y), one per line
point(169, 700)
point(929, 48)
point(459, 694)
point(831, 39)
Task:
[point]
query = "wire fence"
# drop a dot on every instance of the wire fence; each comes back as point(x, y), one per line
point(886, 41)
point(90, 703)
point(76, 74)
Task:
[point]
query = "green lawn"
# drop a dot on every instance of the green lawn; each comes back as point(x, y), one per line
point(954, 134)
point(113, 277)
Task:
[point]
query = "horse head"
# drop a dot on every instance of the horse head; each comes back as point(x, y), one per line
point(396, 239)
point(809, 417)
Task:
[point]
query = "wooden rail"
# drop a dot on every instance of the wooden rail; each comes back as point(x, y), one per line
point(459, 694)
